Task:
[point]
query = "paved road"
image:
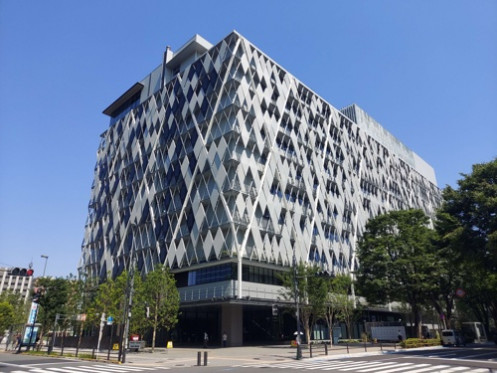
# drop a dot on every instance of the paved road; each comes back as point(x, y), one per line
point(475, 359)
point(447, 360)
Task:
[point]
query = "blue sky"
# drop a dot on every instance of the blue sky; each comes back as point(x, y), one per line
point(426, 70)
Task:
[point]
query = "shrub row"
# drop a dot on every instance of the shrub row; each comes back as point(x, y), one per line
point(418, 342)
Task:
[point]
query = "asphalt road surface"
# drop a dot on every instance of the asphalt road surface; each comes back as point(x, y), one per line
point(448, 360)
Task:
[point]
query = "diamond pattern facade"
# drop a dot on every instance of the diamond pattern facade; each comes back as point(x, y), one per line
point(222, 156)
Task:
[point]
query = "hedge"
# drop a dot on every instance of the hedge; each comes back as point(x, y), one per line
point(419, 342)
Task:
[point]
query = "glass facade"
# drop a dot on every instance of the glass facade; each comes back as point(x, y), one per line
point(233, 159)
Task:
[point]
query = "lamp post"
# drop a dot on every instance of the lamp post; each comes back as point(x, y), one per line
point(45, 267)
point(297, 301)
point(129, 294)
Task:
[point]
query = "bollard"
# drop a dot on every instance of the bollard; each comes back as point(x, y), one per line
point(347, 347)
point(381, 347)
point(310, 349)
point(205, 358)
point(365, 347)
point(326, 349)
point(199, 358)
point(93, 353)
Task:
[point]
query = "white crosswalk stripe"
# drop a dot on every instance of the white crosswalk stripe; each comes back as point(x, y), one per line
point(453, 370)
point(368, 367)
point(89, 369)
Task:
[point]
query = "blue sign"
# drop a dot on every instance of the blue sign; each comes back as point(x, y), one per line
point(32, 313)
point(110, 320)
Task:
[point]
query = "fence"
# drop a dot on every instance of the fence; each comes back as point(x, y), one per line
point(84, 347)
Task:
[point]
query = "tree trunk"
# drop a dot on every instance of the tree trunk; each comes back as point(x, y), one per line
point(329, 322)
point(307, 334)
point(418, 327)
point(155, 329)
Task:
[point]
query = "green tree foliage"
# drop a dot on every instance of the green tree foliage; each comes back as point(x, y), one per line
point(308, 289)
point(53, 301)
point(162, 297)
point(472, 210)
point(397, 260)
point(110, 299)
point(340, 301)
point(337, 301)
point(6, 316)
point(450, 265)
point(20, 308)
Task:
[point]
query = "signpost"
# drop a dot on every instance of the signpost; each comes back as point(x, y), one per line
point(31, 332)
point(110, 321)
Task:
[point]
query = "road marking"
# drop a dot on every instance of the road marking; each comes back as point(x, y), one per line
point(431, 368)
point(366, 365)
point(385, 365)
point(398, 368)
point(51, 363)
point(126, 368)
point(87, 369)
point(454, 369)
point(343, 364)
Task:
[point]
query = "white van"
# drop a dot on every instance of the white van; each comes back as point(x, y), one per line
point(451, 337)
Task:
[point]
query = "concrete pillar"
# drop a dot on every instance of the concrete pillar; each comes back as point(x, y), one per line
point(232, 323)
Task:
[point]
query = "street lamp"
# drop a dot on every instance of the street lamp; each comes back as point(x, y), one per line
point(297, 301)
point(129, 295)
point(45, 267)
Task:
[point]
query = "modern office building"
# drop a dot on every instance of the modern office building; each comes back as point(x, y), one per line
point(223, 166)
point(16, 280)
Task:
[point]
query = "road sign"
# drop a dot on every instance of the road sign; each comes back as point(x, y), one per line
point(110, 320)
point(32, 313)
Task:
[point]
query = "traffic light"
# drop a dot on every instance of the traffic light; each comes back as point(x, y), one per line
point(21, 272)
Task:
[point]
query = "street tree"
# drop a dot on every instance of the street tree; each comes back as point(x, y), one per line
point(450, 266)
point(161, 297)
point(19, 306)
point(336, 300)
point(53, 301)
point(397, 260)
point(110, 299)
point(343, 305)
point(473, 209)
point(307, 289)
point(6, 315)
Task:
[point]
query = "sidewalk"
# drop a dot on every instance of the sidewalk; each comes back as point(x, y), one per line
point(230, 356)
point(186, 357)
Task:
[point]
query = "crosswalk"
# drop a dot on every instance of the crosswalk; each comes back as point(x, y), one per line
point(93, 368)
point(369, 367)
